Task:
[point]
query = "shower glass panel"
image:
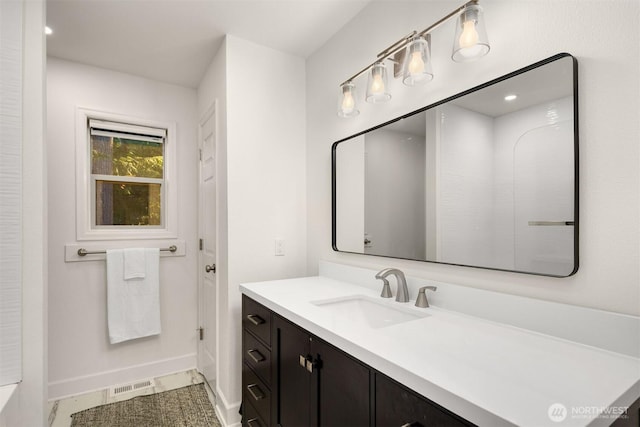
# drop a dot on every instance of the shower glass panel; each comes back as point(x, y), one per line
point(543, 208)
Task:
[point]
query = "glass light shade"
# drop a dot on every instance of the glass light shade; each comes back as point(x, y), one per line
point(347, 106)
point(378, 84)
point(470, 41)
point(416, 68)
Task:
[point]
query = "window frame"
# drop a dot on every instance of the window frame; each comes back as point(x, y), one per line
point(86, 229)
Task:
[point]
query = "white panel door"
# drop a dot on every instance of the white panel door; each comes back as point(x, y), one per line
point(207, 232)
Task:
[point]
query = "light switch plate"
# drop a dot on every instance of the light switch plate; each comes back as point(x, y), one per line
point(279, 247)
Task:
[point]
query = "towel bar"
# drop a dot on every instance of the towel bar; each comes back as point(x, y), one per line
point(83, 251)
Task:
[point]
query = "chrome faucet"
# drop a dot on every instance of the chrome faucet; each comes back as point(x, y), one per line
point(403, 291)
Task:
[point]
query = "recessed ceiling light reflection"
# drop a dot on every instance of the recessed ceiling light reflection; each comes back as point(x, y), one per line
point(510, 97)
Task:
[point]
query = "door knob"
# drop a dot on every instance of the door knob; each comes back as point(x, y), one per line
point(210, 268)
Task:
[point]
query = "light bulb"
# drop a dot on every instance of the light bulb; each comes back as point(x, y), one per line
point(469, 36)
point(416, 64)
point(348, 102)
point(347, 106)
point(377, 85)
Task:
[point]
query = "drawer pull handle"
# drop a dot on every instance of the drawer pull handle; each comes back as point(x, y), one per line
point(257, 396)
point(255, 319)
point(257, 359)
point(253, 422)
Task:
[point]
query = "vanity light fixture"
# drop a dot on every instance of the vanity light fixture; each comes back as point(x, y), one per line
point(411, 57)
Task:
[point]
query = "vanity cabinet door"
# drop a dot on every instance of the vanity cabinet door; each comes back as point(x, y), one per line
point(294, 381)
point(398, 406)
point(318, 385)
point(340, 388)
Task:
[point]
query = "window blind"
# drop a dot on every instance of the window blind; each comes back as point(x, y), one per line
point(126, 131)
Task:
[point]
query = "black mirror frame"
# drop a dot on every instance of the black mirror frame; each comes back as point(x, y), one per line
point(466, 92)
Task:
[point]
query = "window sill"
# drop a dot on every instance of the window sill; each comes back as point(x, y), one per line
point(127, 234)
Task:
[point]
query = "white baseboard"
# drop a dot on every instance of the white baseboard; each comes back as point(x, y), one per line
point(99, 381)
point(227, 413)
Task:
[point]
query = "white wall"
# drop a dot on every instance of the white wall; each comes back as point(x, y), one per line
point(264, 135)
point(80, 356)
point(350, 210)
point(465, 185)
point(394, 201)
point(597, 34)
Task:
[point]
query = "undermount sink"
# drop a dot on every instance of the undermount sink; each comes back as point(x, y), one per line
point(368, 311)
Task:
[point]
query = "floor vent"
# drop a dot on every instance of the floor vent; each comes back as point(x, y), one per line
point(126, 388)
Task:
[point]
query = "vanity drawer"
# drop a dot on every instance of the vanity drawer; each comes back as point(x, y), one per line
point(257, 319)
point(255, 393)
point(251, 417)
point(397, 405)
point(257, 356)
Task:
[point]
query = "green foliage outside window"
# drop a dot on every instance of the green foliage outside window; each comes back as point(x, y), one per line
point(127, 203)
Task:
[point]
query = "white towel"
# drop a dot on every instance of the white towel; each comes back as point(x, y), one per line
point(133, 306)
point(134, 263)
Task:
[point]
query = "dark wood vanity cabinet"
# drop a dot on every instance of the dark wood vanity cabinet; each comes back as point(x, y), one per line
point(318, 385)
point(291, 378)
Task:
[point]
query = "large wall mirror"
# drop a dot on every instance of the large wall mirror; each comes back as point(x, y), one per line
point(486, 178)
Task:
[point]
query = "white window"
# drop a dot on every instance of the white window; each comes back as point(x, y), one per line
point(124, 170)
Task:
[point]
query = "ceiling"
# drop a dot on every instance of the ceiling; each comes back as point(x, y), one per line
point(175, 40)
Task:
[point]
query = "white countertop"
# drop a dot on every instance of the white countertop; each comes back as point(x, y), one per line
point(489, 373)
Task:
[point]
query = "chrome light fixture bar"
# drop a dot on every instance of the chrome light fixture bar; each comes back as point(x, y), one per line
point(411, 56)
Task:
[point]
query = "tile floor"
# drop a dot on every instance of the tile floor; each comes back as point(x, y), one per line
point(60, 410)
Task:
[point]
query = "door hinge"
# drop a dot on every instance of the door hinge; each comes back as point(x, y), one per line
point(201, 244)
point(201, 331)
point(200, 154)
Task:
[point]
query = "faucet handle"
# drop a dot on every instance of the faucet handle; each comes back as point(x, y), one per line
point(386, 289)
point(422, 301)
